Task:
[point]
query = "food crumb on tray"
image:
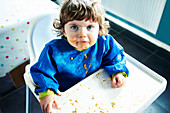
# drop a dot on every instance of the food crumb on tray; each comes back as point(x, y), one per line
point(75, 111)
point(76, 101)
point(113, 103)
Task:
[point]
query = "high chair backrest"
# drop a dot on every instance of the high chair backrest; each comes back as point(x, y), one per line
point(39, 33)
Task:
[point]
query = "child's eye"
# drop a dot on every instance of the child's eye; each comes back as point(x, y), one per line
point(89, 27)
point(74, 27)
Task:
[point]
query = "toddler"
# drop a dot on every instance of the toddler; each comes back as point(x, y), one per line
point(84, 48)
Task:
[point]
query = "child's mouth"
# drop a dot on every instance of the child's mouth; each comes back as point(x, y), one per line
point(83, 41)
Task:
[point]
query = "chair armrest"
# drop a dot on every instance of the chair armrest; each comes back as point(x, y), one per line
point(29, 81)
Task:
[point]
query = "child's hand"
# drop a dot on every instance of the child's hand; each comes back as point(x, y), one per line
point(118, 80)
point(47, 102)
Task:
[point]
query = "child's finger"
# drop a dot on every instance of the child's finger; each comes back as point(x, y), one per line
point(114, 82)
point(43, 108)
point(119, 82)
point(56, 105)
point(49, 107)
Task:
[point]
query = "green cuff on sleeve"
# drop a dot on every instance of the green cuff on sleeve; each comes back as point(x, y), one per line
point(45, 93)
point(123, 73)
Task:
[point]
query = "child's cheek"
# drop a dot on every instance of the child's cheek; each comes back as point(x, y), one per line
point(73, 36)
point(93, 41)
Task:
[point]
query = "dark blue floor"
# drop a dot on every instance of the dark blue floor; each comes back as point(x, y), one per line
point(13, 100)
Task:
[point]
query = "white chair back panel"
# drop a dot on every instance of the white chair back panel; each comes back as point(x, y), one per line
point(42, 33)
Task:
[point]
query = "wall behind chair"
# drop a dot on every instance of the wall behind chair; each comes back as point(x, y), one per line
point(163, 33)
point(150, 17)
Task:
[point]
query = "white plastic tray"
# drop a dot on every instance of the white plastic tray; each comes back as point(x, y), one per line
point(97, 94)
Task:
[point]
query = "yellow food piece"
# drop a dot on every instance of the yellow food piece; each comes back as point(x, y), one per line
point(71, 58)
point(85, 67)
point(85, 56)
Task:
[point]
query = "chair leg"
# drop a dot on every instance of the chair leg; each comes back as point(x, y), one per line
point(28, 100)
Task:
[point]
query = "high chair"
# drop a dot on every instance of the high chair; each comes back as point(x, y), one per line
point(96, 92)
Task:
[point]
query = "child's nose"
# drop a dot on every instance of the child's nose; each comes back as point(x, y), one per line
point(82, 33)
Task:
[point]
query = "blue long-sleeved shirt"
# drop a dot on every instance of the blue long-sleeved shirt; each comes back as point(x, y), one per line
point(61, 66)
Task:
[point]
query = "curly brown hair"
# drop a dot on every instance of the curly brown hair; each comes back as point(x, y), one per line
point(79, 10)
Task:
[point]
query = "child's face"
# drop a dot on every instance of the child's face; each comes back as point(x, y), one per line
point(81, 34)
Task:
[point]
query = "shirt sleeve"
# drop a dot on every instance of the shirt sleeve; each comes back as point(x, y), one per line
point(43, 72)
point(114, 59)
point(45, 93)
